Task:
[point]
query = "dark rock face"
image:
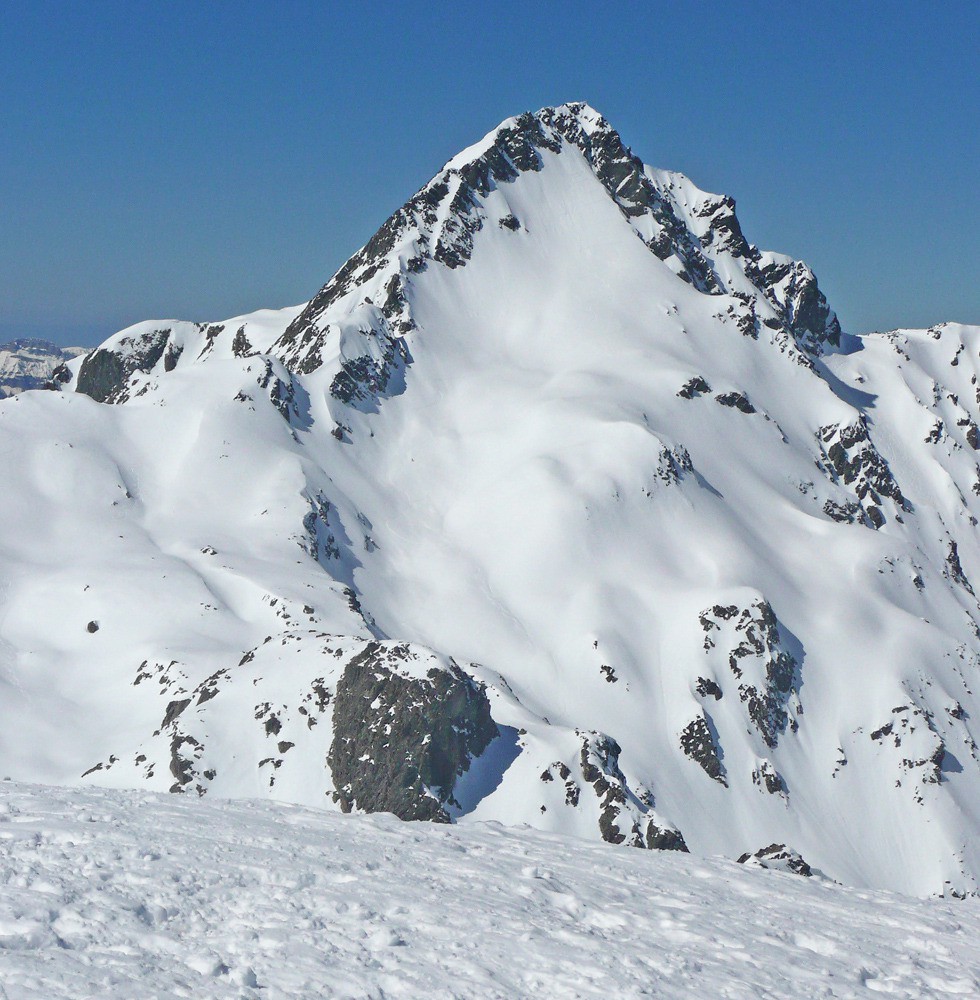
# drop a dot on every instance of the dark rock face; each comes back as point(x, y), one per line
point(737, 400)
point(182, 765)
point(174, 710)
point(698, 741)
point(105, 374)
point(281, 392)
point(665, 839)
point(805, 310)
point(62, 375)
point(708, 688)
point(102, 375)
point(240, 346)
point(211, 333)
point(366, 378)
point(695, 386)
point(400, 742)
point(171, 357)
point(955, 569)
point(768, 778)
point(936, 434)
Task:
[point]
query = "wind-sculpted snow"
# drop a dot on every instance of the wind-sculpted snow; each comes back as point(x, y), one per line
point(692, 568)
point(128, 894)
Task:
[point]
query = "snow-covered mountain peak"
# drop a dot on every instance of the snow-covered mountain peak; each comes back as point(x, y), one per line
point(535, 186)
point(576, 115)
point(555, 505)
point(697, 236)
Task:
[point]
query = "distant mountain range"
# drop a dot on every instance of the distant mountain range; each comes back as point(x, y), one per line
point(27, 363)
point(560, 504)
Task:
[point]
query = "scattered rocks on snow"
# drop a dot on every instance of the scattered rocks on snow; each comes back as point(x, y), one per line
point(843, 513)
point(778, 857)
point(851, 457)
point(914, 732)
point(673, 462)
point(766, 670)
point(623, 817)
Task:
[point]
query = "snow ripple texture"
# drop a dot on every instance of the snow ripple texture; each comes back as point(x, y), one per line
point(121, 894)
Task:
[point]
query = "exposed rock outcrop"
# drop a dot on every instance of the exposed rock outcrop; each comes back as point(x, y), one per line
point(400, 742)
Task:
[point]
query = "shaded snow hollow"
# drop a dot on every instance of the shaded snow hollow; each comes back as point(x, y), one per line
point(122, 894)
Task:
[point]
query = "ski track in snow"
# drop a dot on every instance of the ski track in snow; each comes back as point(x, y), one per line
point(117, 894)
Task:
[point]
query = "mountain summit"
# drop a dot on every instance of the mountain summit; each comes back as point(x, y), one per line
point(559, 504)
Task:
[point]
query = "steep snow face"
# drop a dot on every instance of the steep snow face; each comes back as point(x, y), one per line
point(29, 363)
point(559, 504)
point(128, 894)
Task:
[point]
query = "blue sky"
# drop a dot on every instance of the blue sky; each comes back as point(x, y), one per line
point(198, 160)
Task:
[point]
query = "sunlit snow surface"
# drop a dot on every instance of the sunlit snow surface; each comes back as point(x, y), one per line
point(121, 894)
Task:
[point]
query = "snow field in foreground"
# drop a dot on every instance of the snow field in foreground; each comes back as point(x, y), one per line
point(117, 894)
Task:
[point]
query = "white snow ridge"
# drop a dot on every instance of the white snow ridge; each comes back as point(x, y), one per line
point(561, 517)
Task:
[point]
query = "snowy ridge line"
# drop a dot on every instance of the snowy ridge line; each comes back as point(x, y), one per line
point(123, 894)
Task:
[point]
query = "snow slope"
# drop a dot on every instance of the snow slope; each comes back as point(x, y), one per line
point(123, 894)
point(560, 504)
